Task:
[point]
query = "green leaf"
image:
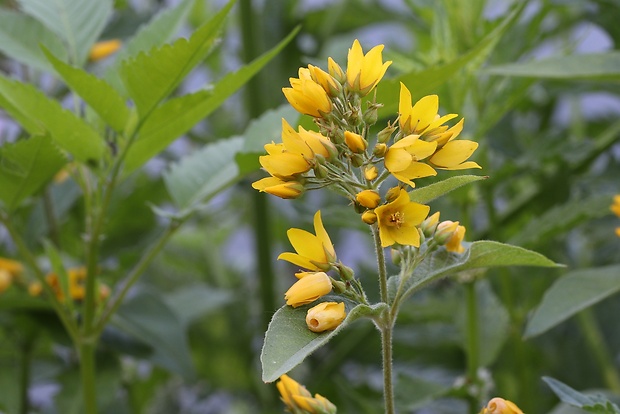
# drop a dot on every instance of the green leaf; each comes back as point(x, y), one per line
point(433, 191)
point(593, 66)
point(146, 316)
point(288, 341)
point(39, 114)
point(572, 293)
point(191, 302)
point(152, 77)
point(25, 167)
point(21, 37)
point(96, 92)
point(199, 176)
point(590, 403)
point(78, 22)
point(179, 115)
point(427, 81)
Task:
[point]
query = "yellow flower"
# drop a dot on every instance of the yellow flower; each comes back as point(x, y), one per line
point(371, 172)
point(618, 231)
point(12, 267)
point(308, 289)
point(368, 198)
point(307, 96)
point(35, 289)
point(327, 81)
point(288, 388)
point(501, 406)
point(278, 187)
point(454, 242)
point(453, 155)
point(615, 207)
point(5, 280)
point(306, 143)
point(417, 118)
point(325, 316)
point(369, 217)
point(77, 276)
point(101, 50)
point(399, 219)
point(402, 159)
point(314, 252)
point(316, 405)
point(365, 71)
point(283, 164)
point(298, 400)
point(355, 142)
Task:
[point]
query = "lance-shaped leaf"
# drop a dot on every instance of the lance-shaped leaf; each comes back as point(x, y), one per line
point(589, 403)
point(25, 166)
point(97, 93)
point(39, 115)
point(433, 191)
point(572, 293)
point(151, 77)
point(177, 116)
point(21, 37)
point(78, 22)
point(288, 341)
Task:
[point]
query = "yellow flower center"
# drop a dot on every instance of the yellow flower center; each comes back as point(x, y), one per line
point(396, 219)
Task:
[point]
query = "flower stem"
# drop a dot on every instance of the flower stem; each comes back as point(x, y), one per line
point(381, 267)
point(87, 371)
point(386, 348)
point(473, 345)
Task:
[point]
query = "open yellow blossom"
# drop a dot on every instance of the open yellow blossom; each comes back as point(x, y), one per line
point(283, 164)
point(327, 81)
point(103, 49)
point(307, 96)
point(325, 316)
point(278, 187)
point(454, 155)
point(399, 219)
point(308, 289)
point(306, 143)
point(314, 252)
point(365, 71)
point(417, 118)
point(298, 400)
point(402, 159)
point(501, 406)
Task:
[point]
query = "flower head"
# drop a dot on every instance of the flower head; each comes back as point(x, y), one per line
point(314, 251)
point(365, 71)
point(402, 159)
point(307, 96)
point(399, 219)
point(325, 316)
point(299, 400)
point(501, 406)
point(308, 289)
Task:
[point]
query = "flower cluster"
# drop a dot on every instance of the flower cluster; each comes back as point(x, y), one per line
point(77, 290)
point(501, 406)
point(615, 208)
point(298, 399)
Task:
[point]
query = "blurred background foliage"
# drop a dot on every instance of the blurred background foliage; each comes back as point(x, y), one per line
point(188, 338)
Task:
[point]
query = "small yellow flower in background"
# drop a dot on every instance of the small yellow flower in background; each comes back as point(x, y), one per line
point(501, 406)
point(399, 219)
point(298, 400)
point(355, 142)
point(401, 159)
point(325, 316)
point(615, 207)
point(368, 198)
point(314, 252)
point(9, 270)
point(365, 71)
point(307, 96)
point(101, 50)
point(5, 280)
point(308, 289)
point(278, 187)
point(77, 276)
point(35, 289)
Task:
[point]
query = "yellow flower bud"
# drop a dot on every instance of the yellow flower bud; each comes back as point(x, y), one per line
point(101, 50)
point(288, 388)
point(371, 172)
point(336, 71)
point(384, 135)
point(444, 231)
point(368, 198)
point(331, 85)
point(308, 289)
point(454, 243)
point(429, 225)
point(369, 217)
point(35, 289)
point(392, 194)
point(299, 400)
point(380, 149)
point(5, 280)
point(501, 406)
point(325, 316)
point(280, 188)
point(355, 142)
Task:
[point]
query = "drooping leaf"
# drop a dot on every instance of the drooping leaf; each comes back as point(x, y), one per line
point(572, 293)
point(39, 114)
point(96, 92)
point(21, 37)
point(288, 341)
point(179, 115)
point(590, 403)
point(25, 166)
point(78, 22)
point(151, 77)
point(200, 175)
point(433, 191)
point(593, 66)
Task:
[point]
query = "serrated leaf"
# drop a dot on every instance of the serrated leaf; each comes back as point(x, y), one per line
point(39, 114)
point(288, 341)
point(151, 77)
point(25, 166)
point(433, 191)
point(78, 22)
point(572, 293)
point(179, 115)
point(199, 176)
point(593, 66)
point(591, 403)
point(21, 37)
point(102, 97)
point(425, 82)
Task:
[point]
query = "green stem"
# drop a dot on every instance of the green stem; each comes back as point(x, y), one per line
point(87, 371)
point(386, 350)
point(24, 378)
point(473, 345)
point(594, 338)
point(381, 267)
point(52, 223)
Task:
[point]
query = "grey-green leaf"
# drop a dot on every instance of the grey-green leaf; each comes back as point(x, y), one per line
point(593, 404)
point(433, 191)
point(572, 293)
point(288, 341)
